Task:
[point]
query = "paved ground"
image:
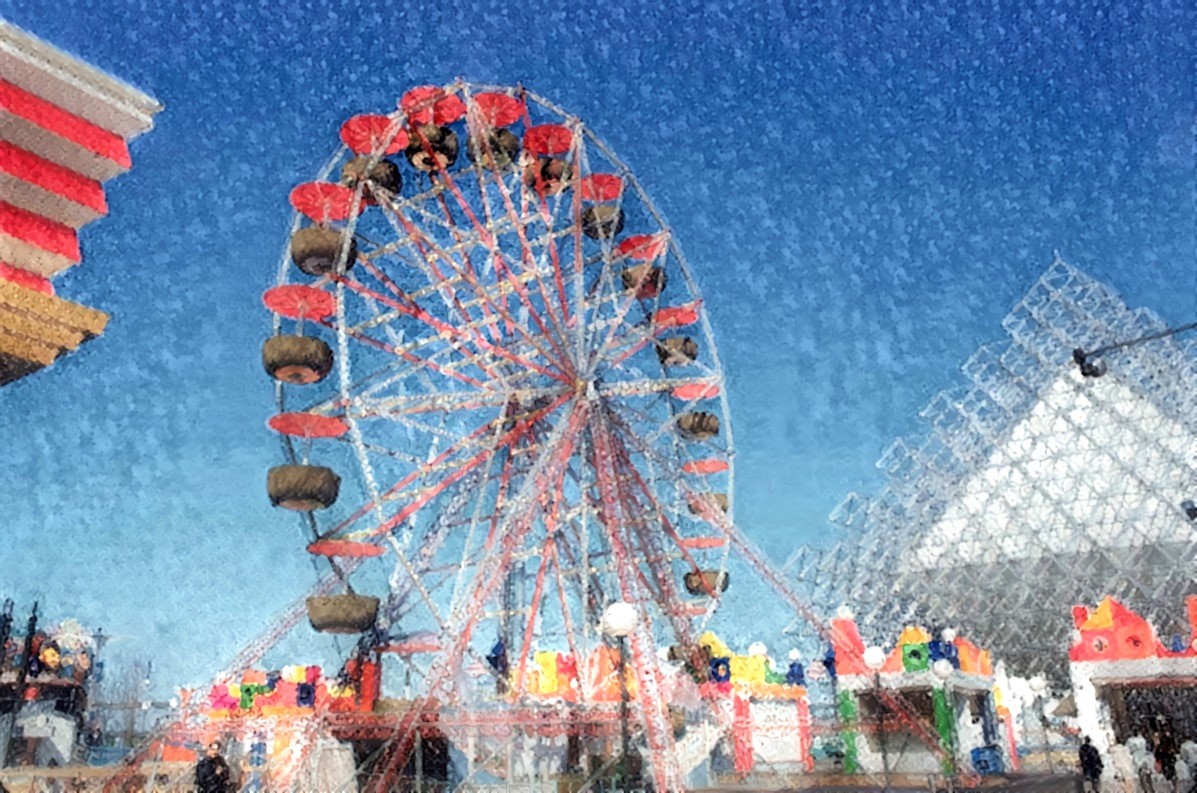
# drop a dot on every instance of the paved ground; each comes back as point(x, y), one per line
point(1054, 784)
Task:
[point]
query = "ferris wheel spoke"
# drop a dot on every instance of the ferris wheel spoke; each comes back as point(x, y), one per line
point(489, 241)
point(527, 256)
point(435, 537)
point(617, 323)
point(671, 467)
point(530, 624)
point(391, 286)
point(566, 615)
point(546, 555)
point(494, 226)
point(471, 277)
point(643, 649)
point(488, 577)
point(386, 406)
point(450, 331)
point(428, 254)
point(550, 243)
point(595, 592)
point(415, 360)
point(504, 481)
point(427, 430)
point(507, 379)
point(466, 333)
point(649, 386)
point(334, 405)
point(661, 517)
point(484, 299)
point(450, 478)
point(578, 276)
point(424, 469)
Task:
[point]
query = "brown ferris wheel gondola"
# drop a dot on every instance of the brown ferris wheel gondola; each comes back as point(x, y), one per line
point(304, 487)
point(348, 613)
point(297, 359)
point(548, 172)
point(316, 250)
point(495, 147)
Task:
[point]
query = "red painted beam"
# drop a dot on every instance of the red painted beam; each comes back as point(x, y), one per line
point(54, 134)
point(34, 243)
point(65, 125)
point(45, 188)
point(26, 279)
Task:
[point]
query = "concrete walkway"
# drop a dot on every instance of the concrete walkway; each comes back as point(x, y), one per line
point(1009, 784)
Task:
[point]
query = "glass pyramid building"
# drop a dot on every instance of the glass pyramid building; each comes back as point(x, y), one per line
point(1032, 489)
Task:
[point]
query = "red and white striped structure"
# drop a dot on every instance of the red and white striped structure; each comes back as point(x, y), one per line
point(64, 131)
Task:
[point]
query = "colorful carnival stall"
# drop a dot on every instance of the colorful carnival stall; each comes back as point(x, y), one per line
point(270, 720)
point(1129, 680)
point(270, 723)
point(771, 718)
point(764, 715)
point(43, 692)
point(885, 701)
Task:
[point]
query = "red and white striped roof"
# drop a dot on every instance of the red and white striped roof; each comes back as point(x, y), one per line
point(64, 127)
point(64, 130)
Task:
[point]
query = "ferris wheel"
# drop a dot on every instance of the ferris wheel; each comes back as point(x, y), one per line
point(483, 323)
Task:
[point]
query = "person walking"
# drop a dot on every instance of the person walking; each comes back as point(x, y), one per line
point(212, 772)
point(1091, 765)
point(1165, 755)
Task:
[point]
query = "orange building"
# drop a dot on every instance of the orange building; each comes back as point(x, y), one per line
point(64, 131)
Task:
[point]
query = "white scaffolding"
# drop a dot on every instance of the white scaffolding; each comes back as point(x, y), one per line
point(1032, 489)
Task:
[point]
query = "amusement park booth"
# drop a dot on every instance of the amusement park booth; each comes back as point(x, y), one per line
point(928, 706)
point(1127, 679)
point(297, 725)
point(43, 694)
point(771, 730)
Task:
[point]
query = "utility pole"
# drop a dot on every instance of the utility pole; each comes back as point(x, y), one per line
point(10, 715)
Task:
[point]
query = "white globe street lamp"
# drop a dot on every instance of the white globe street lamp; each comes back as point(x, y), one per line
point(1039, 685)
point(619, 620)
point(942, 669)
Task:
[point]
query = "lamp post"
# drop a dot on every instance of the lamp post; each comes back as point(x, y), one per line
point(942, 669)
point(1039, 686)
point(619, 620)
point(874, 658)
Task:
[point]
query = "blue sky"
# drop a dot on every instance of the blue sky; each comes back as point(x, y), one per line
point(862, 195)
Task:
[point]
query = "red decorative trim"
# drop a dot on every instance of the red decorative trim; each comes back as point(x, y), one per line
point(38, 231)
point(66, 125)
point(28, 167)
point(26, 279)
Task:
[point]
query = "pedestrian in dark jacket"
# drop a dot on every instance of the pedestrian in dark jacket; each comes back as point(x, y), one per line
point(212, 772)
point(1165, 754)
point(1091, 765)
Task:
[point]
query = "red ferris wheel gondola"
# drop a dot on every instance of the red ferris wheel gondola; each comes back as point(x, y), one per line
point(498, 110)
point(374, 134)
point(430, 104)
